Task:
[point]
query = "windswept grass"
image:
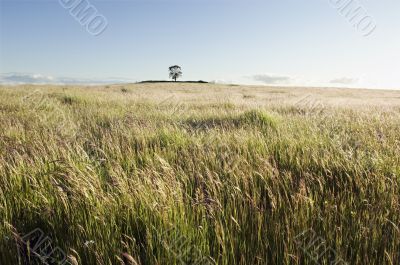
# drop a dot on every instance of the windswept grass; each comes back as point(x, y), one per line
point(117, 175)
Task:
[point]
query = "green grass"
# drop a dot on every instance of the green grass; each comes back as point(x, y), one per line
point(169, 184)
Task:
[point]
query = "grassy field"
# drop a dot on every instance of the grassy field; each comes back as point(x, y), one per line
point(199, 174)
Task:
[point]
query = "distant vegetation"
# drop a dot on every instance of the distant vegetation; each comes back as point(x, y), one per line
point(175, 72)
point(164, 81)
point(137, 174)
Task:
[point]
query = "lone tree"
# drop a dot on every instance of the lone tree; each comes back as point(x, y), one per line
point(175, 72)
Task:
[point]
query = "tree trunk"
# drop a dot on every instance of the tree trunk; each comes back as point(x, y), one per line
point(175, 79)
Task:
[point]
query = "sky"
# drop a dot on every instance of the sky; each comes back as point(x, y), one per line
point(271, 42)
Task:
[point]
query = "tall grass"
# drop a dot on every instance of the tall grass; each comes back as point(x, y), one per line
point(108, 175)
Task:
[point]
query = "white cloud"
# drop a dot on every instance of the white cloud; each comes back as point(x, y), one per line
point(344, 81)
point(27, 78)
point(222, 81)
point(271, 79)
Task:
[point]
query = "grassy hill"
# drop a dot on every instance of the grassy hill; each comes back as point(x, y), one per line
point(169, 81)
point(200, 174)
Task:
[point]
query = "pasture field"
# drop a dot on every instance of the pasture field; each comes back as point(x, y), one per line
point(199, 174)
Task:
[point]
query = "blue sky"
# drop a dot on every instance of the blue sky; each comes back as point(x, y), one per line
point(235, 41)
